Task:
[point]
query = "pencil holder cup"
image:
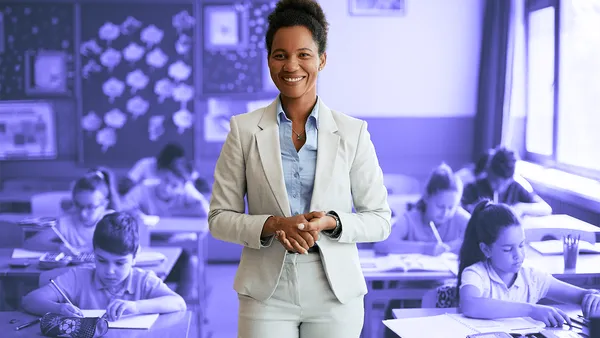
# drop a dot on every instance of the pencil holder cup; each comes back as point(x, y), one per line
point(57, 325)
point(570, 252)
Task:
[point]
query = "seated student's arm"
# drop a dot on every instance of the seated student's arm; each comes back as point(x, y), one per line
point(135, 201)
point(474, 304)
point(566, 293)
point(396, 243)
point(44, 240)
point(48, 299)
point(530, 204)
point(195, 199)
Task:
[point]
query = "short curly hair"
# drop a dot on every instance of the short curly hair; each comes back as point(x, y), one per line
point(503, 163)
point(117, 233)
point(290, 13)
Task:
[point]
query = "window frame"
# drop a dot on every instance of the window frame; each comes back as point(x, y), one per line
point(552, 160)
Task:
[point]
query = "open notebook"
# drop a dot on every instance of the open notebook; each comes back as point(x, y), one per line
point(410, 262)
point(459, 326)
point(555, 247)
point(127, 322)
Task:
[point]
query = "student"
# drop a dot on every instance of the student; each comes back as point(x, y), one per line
point(493, 282)
point(441, 205)
point(500, 186)
point(169, 196)
point(477, 170)
point(114, 284)
point(94, 195)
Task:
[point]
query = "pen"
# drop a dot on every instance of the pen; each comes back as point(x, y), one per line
point(61, 292)
point(435, 233)
point(580, 322)
point(33, 322)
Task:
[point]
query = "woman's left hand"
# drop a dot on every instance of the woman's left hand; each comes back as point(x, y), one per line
point(590, 305)
point(317, 221)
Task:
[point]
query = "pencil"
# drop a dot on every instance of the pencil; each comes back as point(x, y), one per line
point(61, 292)
point(435, 233)
point(33, 322)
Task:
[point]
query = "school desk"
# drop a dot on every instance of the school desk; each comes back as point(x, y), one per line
point(571, 309)
point(15, 200)
point(385, 286)
point(558, 225)
point(19, 281)
point(175, 324)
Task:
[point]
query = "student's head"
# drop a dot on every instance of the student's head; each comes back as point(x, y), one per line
point(116, 242)
point(296, 41)
point(442, 195)
point(93, 194)
point(493, 233)
point(171, 155)
point(172, 181)
point(501, 169)
point(481, 165)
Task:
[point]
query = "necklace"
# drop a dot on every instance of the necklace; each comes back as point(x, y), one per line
point(300, 136)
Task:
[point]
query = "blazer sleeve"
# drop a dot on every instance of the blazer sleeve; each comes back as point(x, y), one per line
point(372, 220)
point(226, 218)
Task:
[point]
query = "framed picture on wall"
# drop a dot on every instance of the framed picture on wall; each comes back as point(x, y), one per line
point(377, 7)
point(225, 27)
point(27, 130)
point(46, 72)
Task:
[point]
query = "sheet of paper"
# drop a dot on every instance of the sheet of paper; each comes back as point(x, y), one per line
point(433, 326)
point(520, 325)
point(22, 253)
point(128, 322)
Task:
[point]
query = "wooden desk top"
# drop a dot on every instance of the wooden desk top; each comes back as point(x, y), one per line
point(175, 324)
point(17, 196)
point(32, 271)
point(588, 265)
point(558, 222)
point(427, 312)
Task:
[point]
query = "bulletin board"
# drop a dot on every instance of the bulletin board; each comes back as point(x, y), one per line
point(234, 58)
point(137, 80)
point(36, 50)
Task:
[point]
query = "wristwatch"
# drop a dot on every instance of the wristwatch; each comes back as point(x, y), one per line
point(338, 224)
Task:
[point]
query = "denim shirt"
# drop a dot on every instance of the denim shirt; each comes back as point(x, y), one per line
point(299, 167)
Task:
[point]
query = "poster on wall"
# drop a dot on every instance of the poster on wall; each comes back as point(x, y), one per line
point(27, 130)
point(220, 111)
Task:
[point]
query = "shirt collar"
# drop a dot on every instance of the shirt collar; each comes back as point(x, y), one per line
point(129, 287)
point(314, 114)
point(519, 281)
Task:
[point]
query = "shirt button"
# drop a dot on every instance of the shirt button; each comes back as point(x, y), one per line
point(295, 195)
point(296, 175)
point(295, 214)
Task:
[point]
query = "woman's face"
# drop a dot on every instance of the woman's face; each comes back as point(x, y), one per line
point(294, 62)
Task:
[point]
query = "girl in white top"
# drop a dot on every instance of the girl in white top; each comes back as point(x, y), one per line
point(493, 283)
point(440, 205)
point(94, 195)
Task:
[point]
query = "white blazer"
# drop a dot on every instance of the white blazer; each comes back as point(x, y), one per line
point(347, 175)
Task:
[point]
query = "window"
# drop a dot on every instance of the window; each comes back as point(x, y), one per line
point(563, 85)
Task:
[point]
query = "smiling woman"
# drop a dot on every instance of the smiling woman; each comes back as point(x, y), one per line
point(297, 163)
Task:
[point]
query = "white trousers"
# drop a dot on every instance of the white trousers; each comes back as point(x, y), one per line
point(303, 306)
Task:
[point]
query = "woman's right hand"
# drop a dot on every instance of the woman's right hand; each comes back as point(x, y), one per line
point(287, 233)
point(549, 315)
point(69, 310)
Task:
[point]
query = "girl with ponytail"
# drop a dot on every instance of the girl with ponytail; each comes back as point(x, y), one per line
point(494, 283)
point(94, 195)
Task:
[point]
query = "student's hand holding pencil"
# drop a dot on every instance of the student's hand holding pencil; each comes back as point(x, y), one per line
point(438, 249)
point(69, 310)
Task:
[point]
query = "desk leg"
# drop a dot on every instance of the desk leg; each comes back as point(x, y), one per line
point(202, 289)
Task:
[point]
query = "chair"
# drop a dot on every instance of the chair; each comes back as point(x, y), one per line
point(52, 203)
point(401, 184)
point(444, 296)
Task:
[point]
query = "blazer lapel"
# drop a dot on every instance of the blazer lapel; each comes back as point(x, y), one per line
point(327, 148)
point(269, 149)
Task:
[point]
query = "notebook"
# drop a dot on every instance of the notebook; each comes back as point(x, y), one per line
point(447, 262)
point(459, 326)
point(127, 322)
point(555, 247)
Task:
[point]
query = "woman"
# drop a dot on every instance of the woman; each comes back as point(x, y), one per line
point(301, 167)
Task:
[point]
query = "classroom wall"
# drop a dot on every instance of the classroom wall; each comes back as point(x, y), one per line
point(413, 78)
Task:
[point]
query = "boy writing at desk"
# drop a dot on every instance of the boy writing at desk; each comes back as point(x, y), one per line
point(114, 284)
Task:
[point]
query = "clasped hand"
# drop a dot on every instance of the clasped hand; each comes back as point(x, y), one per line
point(299, 233)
